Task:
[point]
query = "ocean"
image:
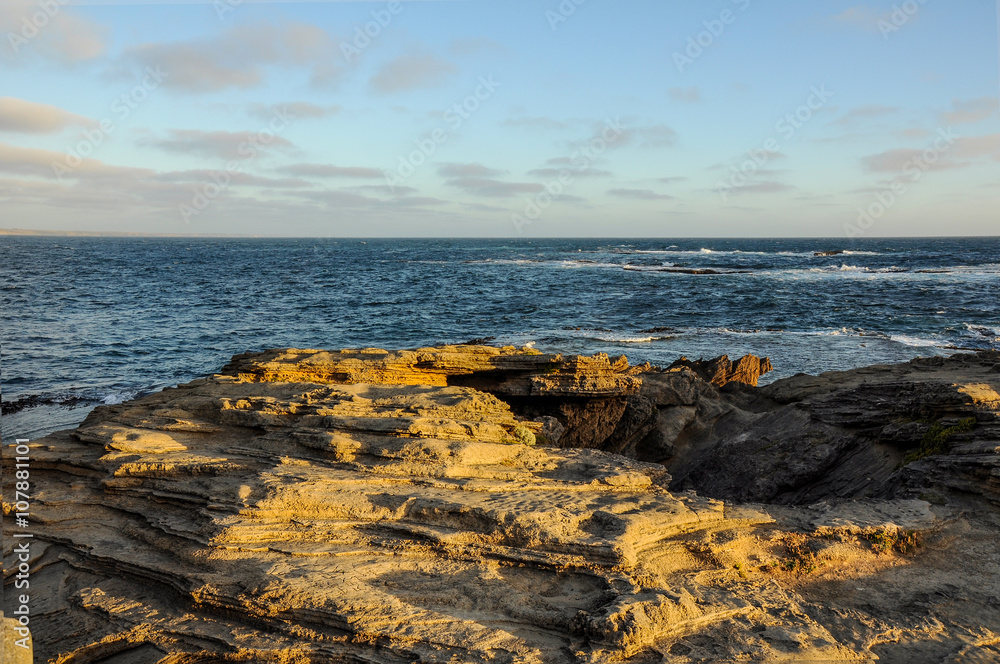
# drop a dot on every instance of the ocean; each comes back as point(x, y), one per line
point(90, 320)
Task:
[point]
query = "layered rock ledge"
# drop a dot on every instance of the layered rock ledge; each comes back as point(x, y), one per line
point(474, 504)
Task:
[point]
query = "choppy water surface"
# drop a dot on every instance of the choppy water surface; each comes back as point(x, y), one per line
point(91, 320)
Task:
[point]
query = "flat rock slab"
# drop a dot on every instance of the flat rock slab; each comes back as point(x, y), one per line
point(306, 506)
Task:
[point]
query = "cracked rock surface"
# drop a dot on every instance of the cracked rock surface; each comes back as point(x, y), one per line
point(468, 504)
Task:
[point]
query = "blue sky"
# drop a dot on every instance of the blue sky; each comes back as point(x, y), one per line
point(477, 118)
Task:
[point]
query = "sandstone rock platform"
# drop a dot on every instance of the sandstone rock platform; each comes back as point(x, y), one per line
point(472, 504)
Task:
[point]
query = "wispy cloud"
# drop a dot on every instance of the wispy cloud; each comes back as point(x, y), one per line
point(222, 145)
point(32, 161)
point(862, 113)
point(412, 71)
point(556, 166)
point(452, 170)
point(331, 171)
point(765, 187)
point(476, 46)
point(398, 191)
point(64, 37)
point(26, 117)
point(970, 111)
point(238, 57)
point(861, 16)
point(236, 179)
point(553, 173)
point(899, 159)
point(687, 95)
point(480, 180)
point(639, 194)
point(977, 147)
point(527, 122)
point(295, 109)
point(649, 136)
point(962, 152)
point(912, 132)
point(490, 187)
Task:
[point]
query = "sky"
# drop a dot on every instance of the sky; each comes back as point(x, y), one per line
point(480, 118)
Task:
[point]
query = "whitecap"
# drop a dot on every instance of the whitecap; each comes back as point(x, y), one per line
point(115, 398)
point(908, 340)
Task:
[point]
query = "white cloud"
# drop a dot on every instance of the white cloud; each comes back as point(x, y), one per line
point(26, 117)
point(62, 37)
point(239, 57)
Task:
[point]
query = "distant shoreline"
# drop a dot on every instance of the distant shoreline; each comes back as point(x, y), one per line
point(24, 231)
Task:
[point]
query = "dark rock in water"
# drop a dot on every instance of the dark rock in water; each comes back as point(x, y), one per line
point(836, 252)
point(24, 403)
point(479, 341)
point(721, 371)
point(684, 270)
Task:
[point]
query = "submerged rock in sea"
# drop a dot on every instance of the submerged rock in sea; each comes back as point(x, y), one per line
point(465, 504)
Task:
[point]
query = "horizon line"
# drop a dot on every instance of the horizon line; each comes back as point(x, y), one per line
point(23, 232)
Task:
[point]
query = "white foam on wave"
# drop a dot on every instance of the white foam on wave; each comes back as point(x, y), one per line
point(630, 340)
point(984, 331)
point(830, 332)
point(574, 265)
point(509, 261)
point(908, 340)
point(845, 267)
point(646, 268)
point(568, 263)
point(674, 251)
point(616, 338)
point(115, 398)
point(978, 270)
point(609, 336)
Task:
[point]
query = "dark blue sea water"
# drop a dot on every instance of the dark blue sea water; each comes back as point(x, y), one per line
point(92, 320)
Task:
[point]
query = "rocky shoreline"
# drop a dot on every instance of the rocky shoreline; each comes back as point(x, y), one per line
point(479, 504)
